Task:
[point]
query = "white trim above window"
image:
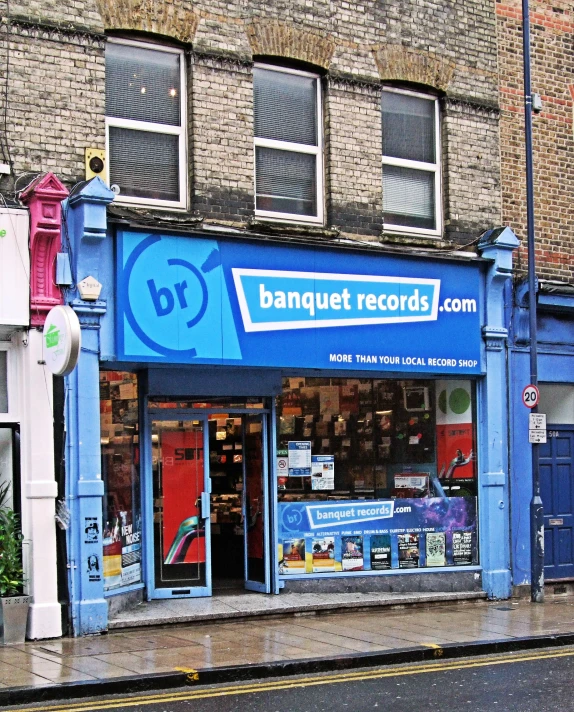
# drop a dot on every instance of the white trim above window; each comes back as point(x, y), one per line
point(146, 123)
point(288, 145)
point(412, 190)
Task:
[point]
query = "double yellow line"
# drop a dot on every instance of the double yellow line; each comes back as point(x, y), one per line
point(292, 683)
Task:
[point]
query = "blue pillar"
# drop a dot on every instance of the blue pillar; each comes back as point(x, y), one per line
point(494, 511)
point(86, 222)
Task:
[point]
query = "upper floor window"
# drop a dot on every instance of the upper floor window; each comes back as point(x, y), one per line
point(411, 162)
point(288, 144)
point(145, 123)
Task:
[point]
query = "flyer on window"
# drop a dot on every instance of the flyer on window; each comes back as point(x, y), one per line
point(381, 552)
point(436, 549)
point(352, 553)
point(461, 548)
point(408, 551)
point(322, 472)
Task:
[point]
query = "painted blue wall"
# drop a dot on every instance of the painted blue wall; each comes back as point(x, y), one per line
point(555, 365)
point(86, 220)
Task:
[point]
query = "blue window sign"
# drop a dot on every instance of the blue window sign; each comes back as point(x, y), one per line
point(299, 458)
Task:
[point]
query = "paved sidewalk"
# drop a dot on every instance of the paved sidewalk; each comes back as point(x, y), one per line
point(165, 656)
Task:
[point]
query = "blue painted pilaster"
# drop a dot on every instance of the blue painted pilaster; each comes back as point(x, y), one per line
point(494, 515)
point(86, 220)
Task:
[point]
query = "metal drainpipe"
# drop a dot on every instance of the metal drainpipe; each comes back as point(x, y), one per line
point(536, 509)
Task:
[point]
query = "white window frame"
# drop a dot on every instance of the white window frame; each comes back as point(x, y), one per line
point(12, 383)
point(435, 168)
point(156, 128)
point(295, 148)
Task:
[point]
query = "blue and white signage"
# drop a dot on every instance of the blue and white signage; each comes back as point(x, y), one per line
point(299, 457)
point(196, 300)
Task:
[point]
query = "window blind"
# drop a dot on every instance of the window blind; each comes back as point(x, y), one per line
point(410, 193)
point(144, 164)
point(408, 127)
point(286, 181)
point(143, 84)
point(285, 107)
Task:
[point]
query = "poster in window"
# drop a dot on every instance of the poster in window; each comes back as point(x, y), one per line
point(409, 553)
point(381, 552)
point(293, 561)
point(352, 553)
point(329, 401)
point(436, 549)
point(461, 548)
point(323, 554)
point(182, 483)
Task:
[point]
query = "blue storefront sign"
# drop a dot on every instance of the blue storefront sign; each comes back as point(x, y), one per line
point(195, 300)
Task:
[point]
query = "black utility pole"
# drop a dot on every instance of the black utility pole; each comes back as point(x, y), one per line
point(536, 510)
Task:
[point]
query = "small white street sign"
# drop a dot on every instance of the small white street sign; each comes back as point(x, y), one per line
point(537, 421)
point(537, 428)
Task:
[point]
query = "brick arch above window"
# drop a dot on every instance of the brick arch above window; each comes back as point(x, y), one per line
point(282, 39)
point(414, 66)
point(169, 19)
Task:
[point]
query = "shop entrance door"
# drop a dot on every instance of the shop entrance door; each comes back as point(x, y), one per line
point(210, 479)
point(556, 459)
point(181, 522)
point(256, 504)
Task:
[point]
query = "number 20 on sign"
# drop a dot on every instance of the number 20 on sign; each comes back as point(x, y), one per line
point(530, 396)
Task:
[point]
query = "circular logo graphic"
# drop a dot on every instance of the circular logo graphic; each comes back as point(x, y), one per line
point(164, 298)
point(292, 519)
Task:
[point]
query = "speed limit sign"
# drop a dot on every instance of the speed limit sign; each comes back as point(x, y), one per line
point(530, 396)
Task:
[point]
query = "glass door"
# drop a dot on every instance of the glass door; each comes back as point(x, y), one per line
point(181, 524)
point(256, 503)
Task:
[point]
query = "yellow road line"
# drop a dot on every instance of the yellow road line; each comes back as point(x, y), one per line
point(285, 684)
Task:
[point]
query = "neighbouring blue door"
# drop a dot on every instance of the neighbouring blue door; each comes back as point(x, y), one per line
point(557, 485)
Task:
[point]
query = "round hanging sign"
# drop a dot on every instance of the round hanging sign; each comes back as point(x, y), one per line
point(62, 340)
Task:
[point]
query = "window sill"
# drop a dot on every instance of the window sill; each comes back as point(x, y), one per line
point(436, 241)
point(273, 227)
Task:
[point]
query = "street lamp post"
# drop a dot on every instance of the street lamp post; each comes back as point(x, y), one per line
point(536, 509)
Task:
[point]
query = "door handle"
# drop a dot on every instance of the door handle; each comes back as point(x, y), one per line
point(205, 505)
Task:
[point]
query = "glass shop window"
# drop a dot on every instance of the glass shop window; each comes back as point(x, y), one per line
point(377, 438)
point(122, 528)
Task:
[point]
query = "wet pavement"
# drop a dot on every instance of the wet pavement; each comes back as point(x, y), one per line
point(305, 636)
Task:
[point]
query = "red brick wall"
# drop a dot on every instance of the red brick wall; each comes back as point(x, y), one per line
point(552, 66)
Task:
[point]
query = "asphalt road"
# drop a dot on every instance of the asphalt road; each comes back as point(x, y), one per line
point(536, 681)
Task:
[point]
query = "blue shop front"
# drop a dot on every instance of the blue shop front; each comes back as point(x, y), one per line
point(252, 414)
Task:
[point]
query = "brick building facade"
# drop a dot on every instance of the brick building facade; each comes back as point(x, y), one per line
point(56, 95)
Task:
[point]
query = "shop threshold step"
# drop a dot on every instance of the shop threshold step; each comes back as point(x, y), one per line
point(249, 605)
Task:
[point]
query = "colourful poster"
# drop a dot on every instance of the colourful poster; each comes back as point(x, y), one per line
point(183, 533)
point(381, 552)
point(436, 549)
point(352, 558)
point(454, 430)
point(323, 554)
point(293, 557)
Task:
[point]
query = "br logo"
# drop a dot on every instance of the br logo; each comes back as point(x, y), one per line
point(292, 519)
point(165, 297)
